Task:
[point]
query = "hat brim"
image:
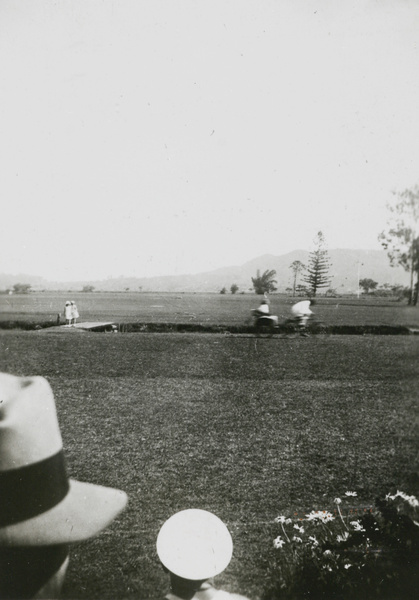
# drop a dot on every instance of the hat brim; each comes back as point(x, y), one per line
point(83, 513)
point(194, 544)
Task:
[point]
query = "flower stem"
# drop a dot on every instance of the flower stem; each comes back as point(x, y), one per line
point(341, 518)
point(282, 525)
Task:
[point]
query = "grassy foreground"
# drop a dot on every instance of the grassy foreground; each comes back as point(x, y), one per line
point(247, 430)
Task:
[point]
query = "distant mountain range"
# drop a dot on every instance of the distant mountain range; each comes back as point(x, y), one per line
point(345, 266)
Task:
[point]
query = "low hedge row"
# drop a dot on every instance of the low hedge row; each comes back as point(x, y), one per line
point(233, 329)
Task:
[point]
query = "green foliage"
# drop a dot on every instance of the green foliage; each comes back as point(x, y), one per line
point(367, 554)
point(394, 292)
point(88, 288)
point(331, 293)
point(223, 290)
point(401, 239)
point(367, 284)
point(264, 283)
point(22, 288)
point(234, 288)
point(318, 266)
point(302, 290)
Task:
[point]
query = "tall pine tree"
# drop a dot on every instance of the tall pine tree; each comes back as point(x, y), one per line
point(318, 266)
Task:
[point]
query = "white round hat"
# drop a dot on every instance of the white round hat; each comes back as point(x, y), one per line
point(194, 544)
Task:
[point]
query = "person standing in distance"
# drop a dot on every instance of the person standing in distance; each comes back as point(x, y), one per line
point(68, 313)
point(74, 312)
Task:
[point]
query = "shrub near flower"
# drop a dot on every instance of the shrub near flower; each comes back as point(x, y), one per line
point(348, 554)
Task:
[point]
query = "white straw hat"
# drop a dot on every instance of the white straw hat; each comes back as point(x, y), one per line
point(194, 544)
point(39, 505)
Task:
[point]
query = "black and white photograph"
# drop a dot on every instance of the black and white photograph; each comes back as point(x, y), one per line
point(209, 318)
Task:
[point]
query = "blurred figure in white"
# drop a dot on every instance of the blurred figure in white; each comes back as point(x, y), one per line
point(263, 320)
point(302, 313)
point(263, 309)
point(74, 312)
point(68, 313)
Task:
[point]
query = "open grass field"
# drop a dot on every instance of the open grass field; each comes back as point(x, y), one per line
point(245, 429)
point(200, 309)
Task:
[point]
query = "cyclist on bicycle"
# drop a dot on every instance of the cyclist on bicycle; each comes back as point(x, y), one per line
point(263, 319)
point(302, 313)
point(263, 309)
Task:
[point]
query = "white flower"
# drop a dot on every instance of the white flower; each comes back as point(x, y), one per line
point(337, 501)
point(326, 516)
point(350, 493)
point(412, 500)
point(278, 543)
point(327, 553)
point(315, 514)
point(343, 537)
point(321, 515)
point(300, 529)
point(297, 539)
point(288, 521)
point(313, 539)
point(347, 566)
point(281, 519)
point(357, 526)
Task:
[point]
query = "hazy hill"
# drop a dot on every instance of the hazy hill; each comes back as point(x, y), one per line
point(8, 281)
point(344, 271)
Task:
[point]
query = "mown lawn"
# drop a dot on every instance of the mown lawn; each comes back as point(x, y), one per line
point(200, 309)
point(246, 430)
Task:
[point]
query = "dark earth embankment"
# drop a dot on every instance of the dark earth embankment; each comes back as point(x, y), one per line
point(140, 327)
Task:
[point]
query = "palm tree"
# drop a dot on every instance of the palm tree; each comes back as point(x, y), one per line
point(265, 282)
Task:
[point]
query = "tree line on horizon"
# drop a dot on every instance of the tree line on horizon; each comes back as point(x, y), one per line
point(315, 274)
point(400, 239)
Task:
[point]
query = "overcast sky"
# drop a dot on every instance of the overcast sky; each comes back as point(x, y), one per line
point(178, 136)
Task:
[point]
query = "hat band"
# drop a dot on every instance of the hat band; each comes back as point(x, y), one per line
point(32, 490)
